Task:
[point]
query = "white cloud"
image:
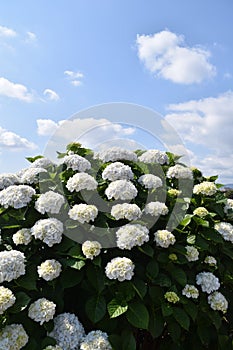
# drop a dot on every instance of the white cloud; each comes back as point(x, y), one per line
point(165, 54)
point(13, 90)
point(30, 37)
point(51, 95)
point(46, 127)
point(206, 127)
point(75, 78)
point(11, 141)
point(7, 32)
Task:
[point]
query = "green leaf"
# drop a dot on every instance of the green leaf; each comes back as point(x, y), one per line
point(75, 252)
point(201, 222)
point(187, 219)
point(179, 275)
point(147, 249)
point(95, 308)
point(156, 323)
point(28, 281)
point(137, 315)
point(22, 301)
point(48, 341)
point(174, 330)
point(75, 264)
point(116, 308)
point(129, 342)
point(95, 277)
point(181, 317)
point(116, 341)
point(140, 287)
point(191, 239)
point(191, 309)
point(152, 269)
point(126, 289)
point(167, 309)
point(70, 277)
point(163, 280)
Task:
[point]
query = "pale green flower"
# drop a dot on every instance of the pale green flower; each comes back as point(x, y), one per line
point(172, 297)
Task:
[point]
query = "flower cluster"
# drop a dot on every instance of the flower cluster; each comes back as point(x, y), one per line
point(49, 269)
point(210, 260)
point(83, 213)
point(179, 172)
point(48, 231)
point(201, 212)
point(13, 337)
point(117, 171)
point(22, 236)
point(49, 202)
point(81, 181)
point(7, 299)
point(16, 196)
point(121, 189)
point(218, 302)
point(12, 265)
point(42, 310)
point(207, 188)
point(154, 156)
point(155, 209)
point(120, 268)
point(226, 230)
point(228, 206)
point(172, 297)
point(7, 180)
point(42, 163)
point(30, 176)
point(51, 347)
point(126, 211)
point(115, 153)
point(192, 254)
point(97, 340)
point(150, 181)
point(164, 238)
point(131, 235)
point(67, 331)
point(91, 249)
point(208, 282)
point(190, 291)
point(76, 162)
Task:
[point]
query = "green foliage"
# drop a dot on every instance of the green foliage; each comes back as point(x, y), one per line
point(133, 312)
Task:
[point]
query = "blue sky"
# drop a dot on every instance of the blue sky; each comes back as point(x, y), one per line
point(57, 58)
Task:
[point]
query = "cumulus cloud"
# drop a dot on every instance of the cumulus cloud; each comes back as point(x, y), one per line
point(7, 32)
point(206, 125)
point(46, 127)
point(51, 95)
point(165, 54)
point(30, 37)
point(14, 90)
point(11, 141)
point(75, 78)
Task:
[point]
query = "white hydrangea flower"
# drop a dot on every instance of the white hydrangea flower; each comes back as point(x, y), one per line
point(190, 291)
point(13, 337)
point(179, 172)
point(126, 211)
point(155, 209)
point(76, 162)
point(117, 171)
point(41, 163)
point(49, 269)
point(51, 347)
point(67, 331)
point(49, 202)
point(173, 192)
point(121, 189)
point(226, 230)
point(228, 206)
point(115, 153)
point(12, 265)
point(8, 179)
point(83, 213)
point(201, 212)
point(30, 176)
point(16, 196)
point(208, 282)
point(172, 297)
point(210, 260)
point(154, 156)
point(192, 254)
point(150, 181)
point(131, 235)
point(81, 181)
point(42, 310)
point(120, 268)
point(164, 238)
point(218, 302)
point(48, 230)
point(22, 236)
point(95, 340)
point(7, 299)
point(205, 187)
point(91, 249)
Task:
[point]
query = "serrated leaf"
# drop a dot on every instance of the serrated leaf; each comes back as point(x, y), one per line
point(152, 269)
point(116, 308)
point(167, 309)
point(181, 317)
point(129, 342)
point(179, 275)
point(75, 264)
point(140, 287)
point(137, 315)
point(22, 301)
point(191, 309)
point(96, 308)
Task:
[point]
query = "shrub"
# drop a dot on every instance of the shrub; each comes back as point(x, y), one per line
point(116, 250)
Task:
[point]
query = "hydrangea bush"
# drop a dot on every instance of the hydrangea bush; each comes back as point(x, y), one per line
point(110, 250)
